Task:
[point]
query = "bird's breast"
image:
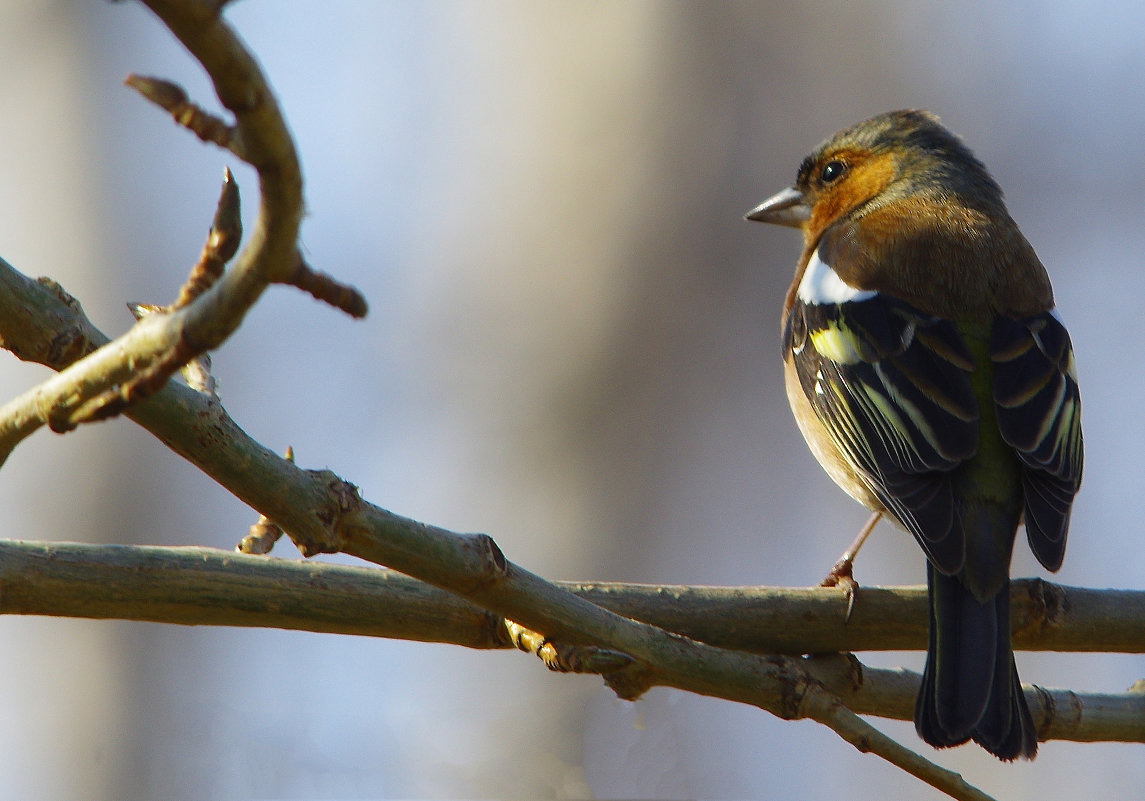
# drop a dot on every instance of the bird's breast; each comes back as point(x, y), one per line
point(822, 445)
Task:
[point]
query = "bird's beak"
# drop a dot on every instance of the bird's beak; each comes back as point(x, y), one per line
point(788, 207)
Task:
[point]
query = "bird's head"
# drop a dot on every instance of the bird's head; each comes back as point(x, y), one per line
point(888, 158)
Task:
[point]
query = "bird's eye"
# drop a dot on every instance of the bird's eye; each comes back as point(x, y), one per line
point(832, 171)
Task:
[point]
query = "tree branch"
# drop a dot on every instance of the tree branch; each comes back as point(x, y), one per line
point(323, 513)
point(40, 322)
point(203, 586)
point(106, 381)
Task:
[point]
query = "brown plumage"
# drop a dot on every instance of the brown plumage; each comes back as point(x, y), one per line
point(932, 379)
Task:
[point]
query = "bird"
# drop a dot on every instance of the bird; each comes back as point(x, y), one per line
point(933, 379)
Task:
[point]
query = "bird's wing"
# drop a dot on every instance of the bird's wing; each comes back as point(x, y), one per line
point(892, 386)
point(1039, 416)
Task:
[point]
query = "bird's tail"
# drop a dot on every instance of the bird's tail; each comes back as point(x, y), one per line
point(970, 687)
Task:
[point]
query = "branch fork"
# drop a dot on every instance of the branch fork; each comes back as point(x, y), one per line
point(323, 513)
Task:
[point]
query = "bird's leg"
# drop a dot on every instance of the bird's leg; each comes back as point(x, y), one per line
point(842, 573)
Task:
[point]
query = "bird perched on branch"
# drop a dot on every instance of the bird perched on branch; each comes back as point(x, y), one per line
point(935, 383)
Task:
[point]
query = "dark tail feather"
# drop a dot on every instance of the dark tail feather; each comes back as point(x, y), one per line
point(970, 687)
point(1006, 728)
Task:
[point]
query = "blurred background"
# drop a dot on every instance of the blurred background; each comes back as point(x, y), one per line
point(572, 345)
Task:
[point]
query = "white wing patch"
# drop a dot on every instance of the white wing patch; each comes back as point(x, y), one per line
point(822, 286)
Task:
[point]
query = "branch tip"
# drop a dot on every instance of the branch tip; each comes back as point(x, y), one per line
point(227, 226)
point(222, 243)
point(173, 99)
point(327, 289)
point(165, 94)
point(139, 310)
point(261, 537)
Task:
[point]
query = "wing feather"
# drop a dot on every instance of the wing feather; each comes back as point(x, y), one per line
point(892, 386)
point(1039, 415)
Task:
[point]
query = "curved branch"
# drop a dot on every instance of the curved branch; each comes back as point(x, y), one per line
point(323, 513)
point(100, 384)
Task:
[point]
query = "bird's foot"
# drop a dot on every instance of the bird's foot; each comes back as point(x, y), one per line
point(842, 574)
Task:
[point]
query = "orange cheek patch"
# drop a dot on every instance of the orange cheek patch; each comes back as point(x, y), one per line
point(868, 176)
point(871, 177)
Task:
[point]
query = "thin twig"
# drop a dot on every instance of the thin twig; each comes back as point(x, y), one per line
point(327, 289)
point(132, 367)
point(222, 243)
point(826, 708)
point(171, 97)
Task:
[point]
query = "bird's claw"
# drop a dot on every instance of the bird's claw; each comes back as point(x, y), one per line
point(842, 574)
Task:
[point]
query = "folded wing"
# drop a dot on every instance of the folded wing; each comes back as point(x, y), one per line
point(893, 388)
point(1039, 416)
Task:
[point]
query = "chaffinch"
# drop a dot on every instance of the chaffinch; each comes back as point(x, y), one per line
point(935, 383)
